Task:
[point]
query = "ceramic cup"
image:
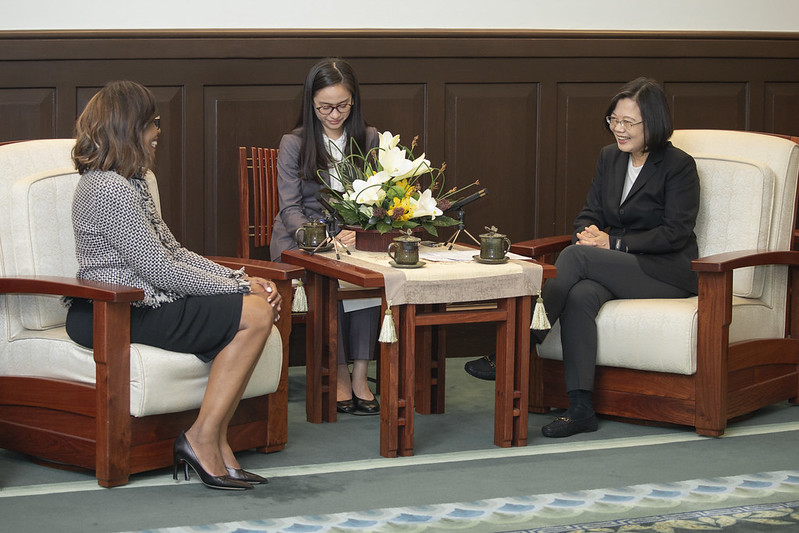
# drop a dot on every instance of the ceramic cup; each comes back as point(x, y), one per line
point(405, 250)
point(310, 234)
point(493, 246)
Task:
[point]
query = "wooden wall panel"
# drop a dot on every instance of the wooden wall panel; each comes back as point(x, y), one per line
point(27, 113)
point(398, 108)
point(492, 136)
point(782, 108)
point(721, 105)
point(521, 110)
point(240, 116)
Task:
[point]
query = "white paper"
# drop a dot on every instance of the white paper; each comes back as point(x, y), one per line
point(458, 255)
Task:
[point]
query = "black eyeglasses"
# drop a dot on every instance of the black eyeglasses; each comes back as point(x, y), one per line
point(157, 122)
point(327, 109)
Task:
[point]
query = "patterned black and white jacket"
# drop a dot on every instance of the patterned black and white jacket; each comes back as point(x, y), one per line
point(121, 238)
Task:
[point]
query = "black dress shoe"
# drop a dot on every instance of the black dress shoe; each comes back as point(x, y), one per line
point(242, 475)
point(370, 407)
point(565, 426)
point(346, 406)
point(483, 368)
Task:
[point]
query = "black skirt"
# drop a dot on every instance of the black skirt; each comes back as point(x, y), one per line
point(201, 325)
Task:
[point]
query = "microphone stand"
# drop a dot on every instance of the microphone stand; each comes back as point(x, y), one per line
point(461, 228)
point(332, 222)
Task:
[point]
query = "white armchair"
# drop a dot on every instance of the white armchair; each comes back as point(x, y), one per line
point(116, 409)
point(704, 360)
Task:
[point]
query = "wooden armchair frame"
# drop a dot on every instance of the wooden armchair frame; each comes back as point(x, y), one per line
point(90, 426)
point(731, 380)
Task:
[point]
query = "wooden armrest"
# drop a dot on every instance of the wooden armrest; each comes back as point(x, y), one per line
point(261, 269)
point(731, 260)
point(78, 288)
point(537, 248)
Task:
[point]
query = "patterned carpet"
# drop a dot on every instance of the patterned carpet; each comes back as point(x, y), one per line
point(748, 503)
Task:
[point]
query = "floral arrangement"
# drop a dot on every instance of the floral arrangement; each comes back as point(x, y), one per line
point(390, 189)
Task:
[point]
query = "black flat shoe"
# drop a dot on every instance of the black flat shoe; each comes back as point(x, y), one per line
point(563, 426)
point(242, 475)
point(183, 453)
point(483, 368)
point(346, 406)
point(370, 407)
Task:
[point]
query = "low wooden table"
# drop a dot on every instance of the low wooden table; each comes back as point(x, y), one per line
point(419, 351)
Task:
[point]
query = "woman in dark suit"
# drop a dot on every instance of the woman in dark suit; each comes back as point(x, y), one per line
point(330, 120)
point(633, 239)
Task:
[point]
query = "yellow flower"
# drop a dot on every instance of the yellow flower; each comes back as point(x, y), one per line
point(405, 205)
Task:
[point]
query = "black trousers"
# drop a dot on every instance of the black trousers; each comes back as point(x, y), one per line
point(587, 278)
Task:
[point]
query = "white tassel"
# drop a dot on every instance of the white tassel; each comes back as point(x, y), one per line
point(300, 302)
point(540, 321)
point(387, 332)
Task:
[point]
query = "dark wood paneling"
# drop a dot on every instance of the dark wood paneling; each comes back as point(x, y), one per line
point(720, 106)
point(491, 136)
point(399, 108)
point(27, 113)
point(521, 110)
point(239, 116)
point(782, 108)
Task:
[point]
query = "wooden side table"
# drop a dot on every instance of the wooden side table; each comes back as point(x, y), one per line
point(400, 361)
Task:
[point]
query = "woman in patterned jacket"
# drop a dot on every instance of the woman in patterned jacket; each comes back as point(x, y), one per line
point(191, 304)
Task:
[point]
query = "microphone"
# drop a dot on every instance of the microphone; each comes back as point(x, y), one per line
point(469, 199)
point(330, 209)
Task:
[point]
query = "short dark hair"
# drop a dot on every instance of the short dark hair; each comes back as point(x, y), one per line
point(654, 106)
point(326, 73)
point(109, 133)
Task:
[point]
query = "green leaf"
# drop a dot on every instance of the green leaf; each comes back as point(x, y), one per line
point(382, 227)
point(430, 228)
point(444, 221)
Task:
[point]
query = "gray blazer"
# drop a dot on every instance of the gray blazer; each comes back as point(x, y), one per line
point(296, 196)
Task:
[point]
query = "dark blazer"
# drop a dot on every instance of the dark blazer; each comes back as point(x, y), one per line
point(656, 221)
point(296, 196)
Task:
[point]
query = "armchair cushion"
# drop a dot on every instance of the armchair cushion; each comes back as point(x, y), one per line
point(660, 334)
point(43, 241)
point(160, 381)
point(735, 213)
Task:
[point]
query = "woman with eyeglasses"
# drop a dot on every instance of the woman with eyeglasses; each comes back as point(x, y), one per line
point(191, 304)
point(633, 239)
point(330, 120)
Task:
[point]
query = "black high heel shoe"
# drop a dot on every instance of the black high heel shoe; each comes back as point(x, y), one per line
point(242, 475)
point(183, 453)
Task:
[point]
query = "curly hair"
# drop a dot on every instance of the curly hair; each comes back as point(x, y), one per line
point(109, 134)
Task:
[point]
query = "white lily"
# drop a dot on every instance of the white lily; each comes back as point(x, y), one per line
point(370, 192)
point(426, 205)
point(394, 162)
point(419, 166)
point(388, 141)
